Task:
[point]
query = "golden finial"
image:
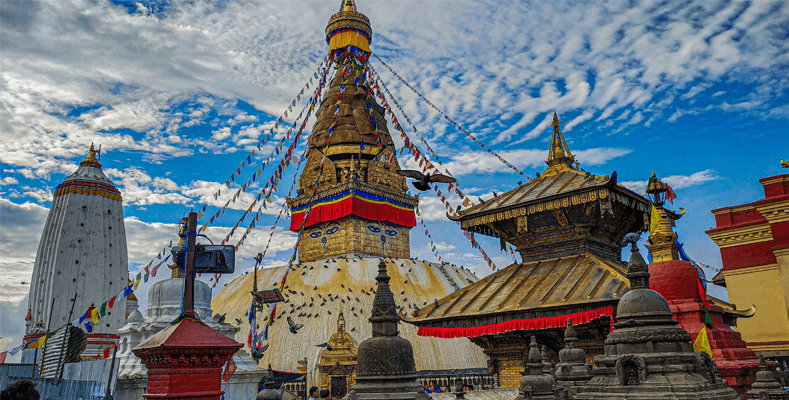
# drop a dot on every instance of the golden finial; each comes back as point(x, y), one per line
point(784, 164)
point(90, 160)
point(348, 5)
point(662, 241)
point(559, 156)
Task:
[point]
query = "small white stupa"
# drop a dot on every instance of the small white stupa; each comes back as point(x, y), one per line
point(83, 252)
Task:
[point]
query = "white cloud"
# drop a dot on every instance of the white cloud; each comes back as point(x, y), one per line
point(677, 182)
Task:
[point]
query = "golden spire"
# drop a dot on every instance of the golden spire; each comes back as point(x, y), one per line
point(784, 164)
point(348, 5)
point(559, 156)
point(341, 318)
point(90, 160)
point(349, 27)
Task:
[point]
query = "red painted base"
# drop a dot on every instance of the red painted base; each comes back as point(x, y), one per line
point(185, 361)
point(676, 282)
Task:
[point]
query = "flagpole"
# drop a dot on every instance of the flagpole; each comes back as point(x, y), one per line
point(65, 333)
point(43, 353)
point(112, 369)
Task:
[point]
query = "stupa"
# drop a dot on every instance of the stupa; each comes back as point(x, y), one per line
point(164, 306)
point(361, 212)
point(83, 252)
point(648, 356)
point(678, 282)
point(572, 371)
point(386, 367)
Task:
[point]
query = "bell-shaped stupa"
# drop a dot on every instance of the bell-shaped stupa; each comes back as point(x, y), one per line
point(648, 356)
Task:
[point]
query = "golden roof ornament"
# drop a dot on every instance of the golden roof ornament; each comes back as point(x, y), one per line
point(784, 164)
point(662, 238)
point(560, 158)
point(90, 160)
point(349, 27)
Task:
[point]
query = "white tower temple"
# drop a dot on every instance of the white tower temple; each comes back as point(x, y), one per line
point(83, 252)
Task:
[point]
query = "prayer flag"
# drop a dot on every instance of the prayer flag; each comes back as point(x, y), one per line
point(111, 303)
point(670, 195)
point(654, 220)
point(94, 315)
point(103, 309)
point(702, 342)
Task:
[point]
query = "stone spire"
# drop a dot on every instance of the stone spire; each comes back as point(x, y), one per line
point(766, 387)
point(386, 366)
point(559, 156)
point(535, 383)
point(648, 356)
point(572, 371)
point(384, 317)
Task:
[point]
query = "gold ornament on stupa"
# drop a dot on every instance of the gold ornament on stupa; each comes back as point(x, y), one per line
point(662, 241)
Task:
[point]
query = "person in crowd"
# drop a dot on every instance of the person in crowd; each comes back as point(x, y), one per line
point(24, 389)
point(325, 394)
point(313, 393)
point(432, 388)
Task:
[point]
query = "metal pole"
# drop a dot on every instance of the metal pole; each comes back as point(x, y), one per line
point(65, 336)
point(189, 271)
point(43, 353)
point(109, 380)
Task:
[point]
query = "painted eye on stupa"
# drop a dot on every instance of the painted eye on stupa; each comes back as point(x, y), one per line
point(374, 228)
point(332, 230)
point(391, 232)
point(315, 234)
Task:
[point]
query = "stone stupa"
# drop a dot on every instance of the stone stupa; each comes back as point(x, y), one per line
point(648, 356)
point(386, 368)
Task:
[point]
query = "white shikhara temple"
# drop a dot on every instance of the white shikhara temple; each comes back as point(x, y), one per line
point(82, 251)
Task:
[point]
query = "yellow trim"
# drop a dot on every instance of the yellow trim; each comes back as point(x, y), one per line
point(750, 270)
point(742, 235)
point(775, 212)
point(87, 192)
point(769, 347)
point(782, 178)
point(349, 38)
point(728, 210)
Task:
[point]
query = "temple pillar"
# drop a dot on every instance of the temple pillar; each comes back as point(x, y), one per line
point(185, 361)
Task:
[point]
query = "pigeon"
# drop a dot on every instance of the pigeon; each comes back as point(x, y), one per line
point(302, 293)
point(631, 238)
point(222, 318)
point(311, 304)
point(348, 297)
point(422, 181)
point(309, 315)
point(339, 269)
point(325, 266)
point(352, 308)
point(315, 288)
point(303, 273)
point(416, 308)
point(328, 312)
point(326, 345)
point(361, 311)
point(436, 302)
point(258, 353)
point(353, 329)
point(409, 269)
point(294, 327)
point(342, 285)
point(357, 299)
point(349, 289)
point(238, 321)
point(342, 300)
point(405, 281)
point(403, 292)
point(405, 299)
point(354, 314)
point(312, 267)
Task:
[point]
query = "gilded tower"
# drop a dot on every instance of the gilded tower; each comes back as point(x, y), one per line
point(359, 201)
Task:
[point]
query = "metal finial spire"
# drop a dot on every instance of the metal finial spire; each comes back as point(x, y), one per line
point(90, 160)
point(559, 155)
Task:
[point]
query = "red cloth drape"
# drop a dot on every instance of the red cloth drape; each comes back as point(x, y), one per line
point(518, 324)
point(356, 206)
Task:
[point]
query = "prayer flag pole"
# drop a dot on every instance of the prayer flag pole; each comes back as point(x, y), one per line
point(187, 307)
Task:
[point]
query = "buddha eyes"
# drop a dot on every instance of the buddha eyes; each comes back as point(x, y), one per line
point(374, 229)
point(377, 229)
point(391, 232)
point(333, 230)
point(315, 234)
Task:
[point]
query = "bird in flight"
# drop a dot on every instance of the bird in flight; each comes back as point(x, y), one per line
point(422, 181)
point(326, 345)
point(294, 327)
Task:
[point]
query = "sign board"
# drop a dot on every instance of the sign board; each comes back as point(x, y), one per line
point(270, 295)
point(210, 258)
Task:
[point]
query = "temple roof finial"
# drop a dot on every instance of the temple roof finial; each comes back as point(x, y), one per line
point(90, 160)
point(348, 5)
point(559, 155)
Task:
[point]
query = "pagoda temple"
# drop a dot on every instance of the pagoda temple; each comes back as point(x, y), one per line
point(352, 209)
point(567, 225)
point(82, 251)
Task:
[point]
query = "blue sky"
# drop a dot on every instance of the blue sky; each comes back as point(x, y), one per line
point(178, 92)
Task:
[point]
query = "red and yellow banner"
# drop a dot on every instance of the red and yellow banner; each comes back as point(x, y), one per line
point(359, 204)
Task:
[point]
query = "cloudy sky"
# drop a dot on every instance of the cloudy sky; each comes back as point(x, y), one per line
point(178, 92)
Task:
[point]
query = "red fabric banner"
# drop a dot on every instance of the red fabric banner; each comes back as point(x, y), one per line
point(519, 324)
point(356, 206)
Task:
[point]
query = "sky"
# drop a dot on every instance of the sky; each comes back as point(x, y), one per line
point(178, 93)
